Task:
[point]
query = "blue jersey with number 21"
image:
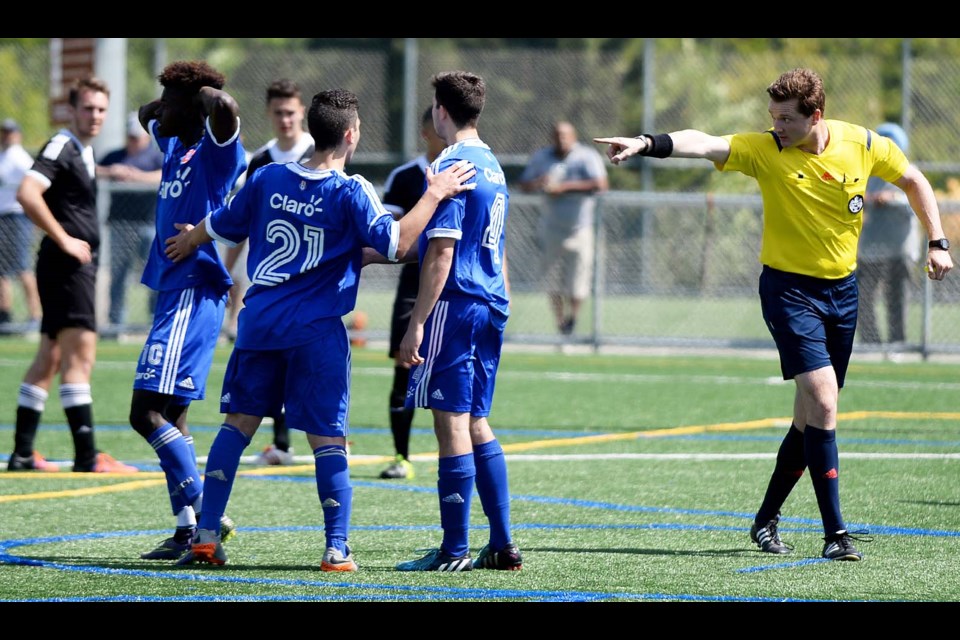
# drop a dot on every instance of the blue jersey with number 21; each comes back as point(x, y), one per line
point(306, 229)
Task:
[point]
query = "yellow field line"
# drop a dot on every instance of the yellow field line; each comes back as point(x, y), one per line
point(154, 478)
point(88, 491)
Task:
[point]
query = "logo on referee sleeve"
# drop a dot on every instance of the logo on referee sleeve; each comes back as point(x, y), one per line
point(856, 204)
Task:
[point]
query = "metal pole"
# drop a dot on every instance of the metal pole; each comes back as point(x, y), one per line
point(646, 170)
point(906, 91)
point(159, 55)
point(411, 108)
point(110, 64)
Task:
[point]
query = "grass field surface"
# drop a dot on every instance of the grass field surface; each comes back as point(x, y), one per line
point(634, 479)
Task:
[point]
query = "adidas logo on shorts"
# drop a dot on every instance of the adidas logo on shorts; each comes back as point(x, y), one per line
point(225, 397)
point(187, 383)
point(436, 395)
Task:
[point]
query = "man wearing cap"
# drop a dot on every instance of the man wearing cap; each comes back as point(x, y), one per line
point(17, 233)
point(889, 252)
point(138, 165)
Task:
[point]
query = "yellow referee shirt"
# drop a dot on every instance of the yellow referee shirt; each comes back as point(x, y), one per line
point(812, 204)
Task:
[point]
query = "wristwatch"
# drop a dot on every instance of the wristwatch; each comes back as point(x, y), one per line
point(942, 243)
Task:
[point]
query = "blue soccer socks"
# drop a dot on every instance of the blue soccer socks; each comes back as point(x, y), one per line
point(221, 471)
point(335, 493)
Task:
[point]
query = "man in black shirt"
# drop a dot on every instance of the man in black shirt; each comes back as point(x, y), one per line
point(59, 194)
point(402, 190)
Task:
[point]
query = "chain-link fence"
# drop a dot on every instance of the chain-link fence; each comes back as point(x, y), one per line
point(676, 241)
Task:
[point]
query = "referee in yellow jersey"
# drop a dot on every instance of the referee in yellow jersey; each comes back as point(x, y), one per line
point(812, 173)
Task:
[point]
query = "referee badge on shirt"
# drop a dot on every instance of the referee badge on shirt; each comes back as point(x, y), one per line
point(856, 204)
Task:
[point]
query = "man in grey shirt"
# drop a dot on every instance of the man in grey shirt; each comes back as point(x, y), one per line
point(889, 252)
point(568, 173)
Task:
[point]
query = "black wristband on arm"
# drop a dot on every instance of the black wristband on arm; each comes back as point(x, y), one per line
point(659, 145)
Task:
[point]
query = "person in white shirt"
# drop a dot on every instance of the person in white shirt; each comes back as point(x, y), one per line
point(17, 232)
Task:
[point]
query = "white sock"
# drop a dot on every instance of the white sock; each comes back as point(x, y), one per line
point(32, 397)
point(186, 518)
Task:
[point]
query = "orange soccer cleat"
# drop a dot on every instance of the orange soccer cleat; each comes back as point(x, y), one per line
point(108, 464)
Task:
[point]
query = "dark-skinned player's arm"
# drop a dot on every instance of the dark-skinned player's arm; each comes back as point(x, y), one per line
point(222, 110)
point(147, 113)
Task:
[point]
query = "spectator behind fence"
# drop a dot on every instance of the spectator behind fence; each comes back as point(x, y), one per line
point(889, 252)
point(17, 232)
point(130, 221)
point(568, 173)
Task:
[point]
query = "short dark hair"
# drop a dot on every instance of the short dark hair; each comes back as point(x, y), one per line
point(190, 75)
point(90, 83)
point(283, 88)
point(331, 113)
point(462, 94)
point(803, 84)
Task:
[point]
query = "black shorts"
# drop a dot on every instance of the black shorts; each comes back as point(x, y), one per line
point(67, 295)
point(812, 320)
point(407, 289)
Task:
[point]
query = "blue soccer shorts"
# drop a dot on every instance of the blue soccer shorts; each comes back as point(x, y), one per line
point(812, 320)
point(461, 348)
point(310, 382)
point(177, 355)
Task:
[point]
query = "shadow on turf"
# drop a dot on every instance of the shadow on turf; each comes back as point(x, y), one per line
point(931, 503)
point(154, 565)
point(132, 564)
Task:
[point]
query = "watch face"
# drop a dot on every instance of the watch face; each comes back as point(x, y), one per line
point(942, 243)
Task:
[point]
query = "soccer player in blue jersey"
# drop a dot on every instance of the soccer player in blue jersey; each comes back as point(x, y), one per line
point(459, 316)
point(813, 174)
point(197, 126)
point(307, 225)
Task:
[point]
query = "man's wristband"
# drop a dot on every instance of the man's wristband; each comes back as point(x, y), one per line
point(658, 145)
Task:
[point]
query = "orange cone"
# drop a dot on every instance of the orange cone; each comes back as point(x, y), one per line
point(358, 328)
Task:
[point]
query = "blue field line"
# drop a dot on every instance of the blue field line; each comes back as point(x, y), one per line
point(401, 592)
point(783, 565)
point(811, 523)
point(562, 597)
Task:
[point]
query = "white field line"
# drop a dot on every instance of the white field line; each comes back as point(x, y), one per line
point(599, 378)
point(363, 460)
